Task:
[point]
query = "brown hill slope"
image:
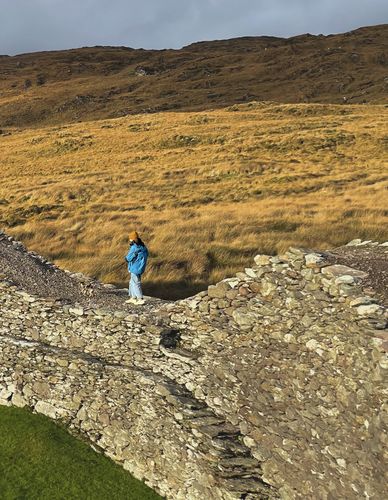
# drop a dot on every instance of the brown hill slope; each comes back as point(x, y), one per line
point(207, 190)
point(106, 82)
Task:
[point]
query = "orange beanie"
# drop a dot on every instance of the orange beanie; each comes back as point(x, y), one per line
point(133, 236)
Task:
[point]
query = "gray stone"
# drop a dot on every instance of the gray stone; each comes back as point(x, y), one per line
point(368, 310)
point(339, 270)
point(354, 243)
point(45, 408)
point(267, 288)
point(18, 400)
point(262, 260)
point(78, 311)
point(218, 291)
point(314, 260)
point(345, 279)
point(243, 317)
point(362, 301)
point(250, 272)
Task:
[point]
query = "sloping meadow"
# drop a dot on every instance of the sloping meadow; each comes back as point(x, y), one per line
point(206, 190)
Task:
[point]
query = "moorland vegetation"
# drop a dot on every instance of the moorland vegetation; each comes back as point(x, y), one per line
point(207, 190)
point(107, 82)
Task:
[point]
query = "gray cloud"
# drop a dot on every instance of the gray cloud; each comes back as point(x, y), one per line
point(32, 25)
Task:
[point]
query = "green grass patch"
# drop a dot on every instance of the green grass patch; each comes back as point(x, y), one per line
point(40, 460)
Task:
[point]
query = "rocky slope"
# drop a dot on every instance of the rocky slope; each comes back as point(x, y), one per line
point(33, 274)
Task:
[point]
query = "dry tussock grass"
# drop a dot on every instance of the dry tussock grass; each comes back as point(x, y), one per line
point(207, 190)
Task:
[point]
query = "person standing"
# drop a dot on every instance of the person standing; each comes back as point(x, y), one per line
point(137, 260)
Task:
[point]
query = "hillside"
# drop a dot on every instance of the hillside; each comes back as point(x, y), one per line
point(207, 190)
point(107, 82)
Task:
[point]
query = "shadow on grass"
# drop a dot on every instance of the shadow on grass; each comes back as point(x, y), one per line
point(174, 290)
point(171, 290)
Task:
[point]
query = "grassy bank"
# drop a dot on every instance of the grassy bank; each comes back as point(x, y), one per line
point(40, 460)
point(207, 190)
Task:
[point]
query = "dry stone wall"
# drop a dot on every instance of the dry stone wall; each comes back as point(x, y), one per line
point(103, 373)
point(270, 384)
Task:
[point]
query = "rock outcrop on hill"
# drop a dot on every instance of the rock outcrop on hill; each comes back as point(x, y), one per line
point(108, 82)
point(269, 384)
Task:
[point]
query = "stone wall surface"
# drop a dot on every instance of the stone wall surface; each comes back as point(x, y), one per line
point(270, 384)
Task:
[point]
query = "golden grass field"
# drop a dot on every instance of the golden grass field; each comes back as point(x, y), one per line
point(206, 190)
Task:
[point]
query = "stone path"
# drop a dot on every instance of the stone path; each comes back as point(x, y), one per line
point(36, 276)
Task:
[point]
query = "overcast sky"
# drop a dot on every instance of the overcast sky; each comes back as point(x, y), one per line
point(32, 25)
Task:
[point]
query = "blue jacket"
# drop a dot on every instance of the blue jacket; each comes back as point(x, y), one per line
point(137, 258)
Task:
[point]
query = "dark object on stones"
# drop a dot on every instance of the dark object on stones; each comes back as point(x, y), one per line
point(170, 338)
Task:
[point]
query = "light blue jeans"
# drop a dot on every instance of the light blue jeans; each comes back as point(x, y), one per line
point(135, 290)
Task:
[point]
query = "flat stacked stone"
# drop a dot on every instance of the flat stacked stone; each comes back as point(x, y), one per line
point(270, 384)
